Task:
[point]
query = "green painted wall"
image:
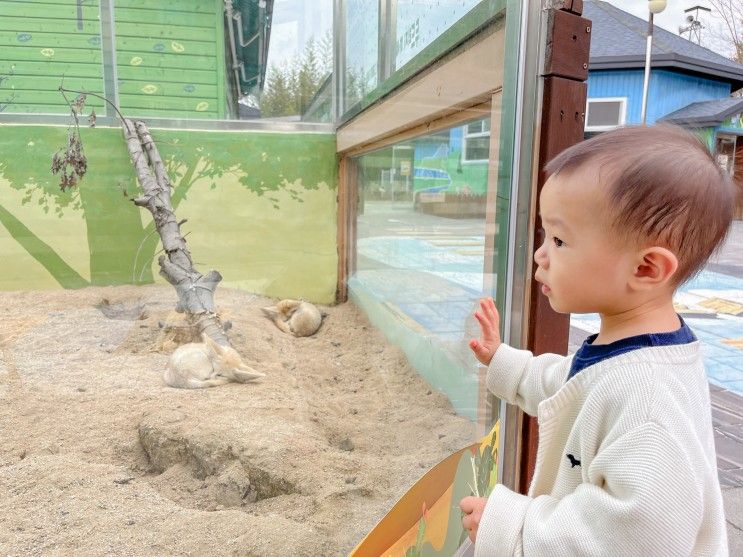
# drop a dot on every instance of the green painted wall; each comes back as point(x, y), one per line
point(261, 209)
point(170, 57)
point(40, 42)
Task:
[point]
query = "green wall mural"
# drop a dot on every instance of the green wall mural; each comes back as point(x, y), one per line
point(261, 209)
point(170, 57)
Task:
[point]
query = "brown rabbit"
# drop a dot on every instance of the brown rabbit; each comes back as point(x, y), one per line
point(197, 365)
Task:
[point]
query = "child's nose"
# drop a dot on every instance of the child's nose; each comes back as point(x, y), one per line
point(540, 256)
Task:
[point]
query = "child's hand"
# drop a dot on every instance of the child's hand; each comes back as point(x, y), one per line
point(490, 340)
point(472, 508)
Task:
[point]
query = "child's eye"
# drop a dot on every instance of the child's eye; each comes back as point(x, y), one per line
point(559, 243)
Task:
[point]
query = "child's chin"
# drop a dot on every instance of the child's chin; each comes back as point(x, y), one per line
point(555, 305)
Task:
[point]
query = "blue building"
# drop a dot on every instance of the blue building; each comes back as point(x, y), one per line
point(689, 85)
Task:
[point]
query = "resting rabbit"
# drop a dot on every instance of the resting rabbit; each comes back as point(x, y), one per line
point(197, 365)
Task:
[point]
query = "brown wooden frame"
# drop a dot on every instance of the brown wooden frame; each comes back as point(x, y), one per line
point(562, 124)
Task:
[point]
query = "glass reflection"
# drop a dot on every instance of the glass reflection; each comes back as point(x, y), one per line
point(421, 250)
point(197, 59)
point(420, 22)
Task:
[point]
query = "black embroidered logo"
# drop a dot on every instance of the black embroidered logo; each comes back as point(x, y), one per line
point(573, 461)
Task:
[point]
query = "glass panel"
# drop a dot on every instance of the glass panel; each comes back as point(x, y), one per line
point(424, 258)
point(416, 33)
point(475, 127)
point(420, 22)
point(45, 46)
point(604, 113)
point(199, 59)
point(362, 49)
point(477, 148)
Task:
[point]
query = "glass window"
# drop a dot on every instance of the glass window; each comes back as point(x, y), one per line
point(423, 256)
point(476, 142)
point(420, 22)
point(201, 59)
point(605, 114)
point(362, 49)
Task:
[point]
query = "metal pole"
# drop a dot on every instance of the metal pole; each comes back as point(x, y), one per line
point(646, 83)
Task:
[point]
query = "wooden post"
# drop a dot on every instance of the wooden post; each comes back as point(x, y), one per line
point(562, 123)
point(346, 226)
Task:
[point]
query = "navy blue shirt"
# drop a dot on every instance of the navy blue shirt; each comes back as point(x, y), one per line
point(588, 354)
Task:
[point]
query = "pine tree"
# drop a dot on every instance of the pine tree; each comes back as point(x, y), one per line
point(308, 78)
point(290, 89)
point(277, 99)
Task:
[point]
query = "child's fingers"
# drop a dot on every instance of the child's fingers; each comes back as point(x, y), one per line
point(491, 311)
point(488, 328)
point(484, 323)
point(479, 349)
point(467, 504)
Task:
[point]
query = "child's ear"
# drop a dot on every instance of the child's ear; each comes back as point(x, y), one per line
point(656, 266)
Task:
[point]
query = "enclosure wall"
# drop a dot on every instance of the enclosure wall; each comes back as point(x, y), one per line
point(260, 209)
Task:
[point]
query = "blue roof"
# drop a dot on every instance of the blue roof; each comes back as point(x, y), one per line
point(706, 113)
point(618, 41)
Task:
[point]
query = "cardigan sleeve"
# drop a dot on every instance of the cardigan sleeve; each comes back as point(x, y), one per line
point(519, 377)
point(643, 498)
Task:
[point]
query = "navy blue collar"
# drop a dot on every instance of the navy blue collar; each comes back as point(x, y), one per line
point(588, 354)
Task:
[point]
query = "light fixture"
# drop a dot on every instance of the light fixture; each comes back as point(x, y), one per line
point(657, 6)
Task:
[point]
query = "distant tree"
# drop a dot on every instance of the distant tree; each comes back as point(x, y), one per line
point(308, 78)
point(277, 99)
point(731, 14)
point(291, 87)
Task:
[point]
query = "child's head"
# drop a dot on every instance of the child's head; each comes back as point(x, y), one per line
point(634, 210)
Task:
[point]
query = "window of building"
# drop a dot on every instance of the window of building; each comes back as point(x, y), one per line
point(725, 153)
point(476, 141)
point(606, 114)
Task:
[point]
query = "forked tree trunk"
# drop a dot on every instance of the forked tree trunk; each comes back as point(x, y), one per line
point(195, 291)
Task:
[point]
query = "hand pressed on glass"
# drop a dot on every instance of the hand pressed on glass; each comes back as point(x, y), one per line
point(489, 341)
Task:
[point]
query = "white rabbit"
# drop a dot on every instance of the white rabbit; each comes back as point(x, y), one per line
point(197, 365)
point(299, 318)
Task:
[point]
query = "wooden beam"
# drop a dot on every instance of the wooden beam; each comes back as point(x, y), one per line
point(466, 79)
point(562, 125)
point(567, 32)
point(438, 123)
point(346, 224)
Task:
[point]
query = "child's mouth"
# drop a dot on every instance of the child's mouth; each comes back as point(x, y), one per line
point(546, 289)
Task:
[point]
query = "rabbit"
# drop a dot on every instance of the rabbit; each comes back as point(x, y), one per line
point(299, 318)
point(198, 365)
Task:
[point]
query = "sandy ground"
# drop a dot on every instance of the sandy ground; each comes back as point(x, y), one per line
point(98, 456)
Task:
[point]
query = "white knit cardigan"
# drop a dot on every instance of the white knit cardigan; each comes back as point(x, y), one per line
point(641, 475)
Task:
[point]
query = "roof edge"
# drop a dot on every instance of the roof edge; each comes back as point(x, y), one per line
point(668, 60)
point(705, 121)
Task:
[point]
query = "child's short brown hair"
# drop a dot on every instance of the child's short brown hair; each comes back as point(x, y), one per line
point(663, 187)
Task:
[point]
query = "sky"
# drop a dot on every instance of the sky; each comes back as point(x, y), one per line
point(673, 17)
